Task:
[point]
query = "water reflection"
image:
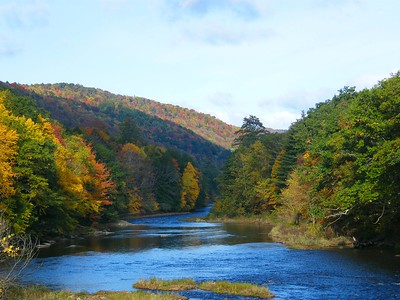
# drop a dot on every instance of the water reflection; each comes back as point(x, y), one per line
point(169, 248)
point(162, 232)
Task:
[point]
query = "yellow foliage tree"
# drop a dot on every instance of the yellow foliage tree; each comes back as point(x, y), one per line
point(8, 151)
point(85, 180)
point(135, 205)
point(295, 198)
point(190, 187)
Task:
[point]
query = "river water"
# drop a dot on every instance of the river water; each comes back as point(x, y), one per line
point(167, 247)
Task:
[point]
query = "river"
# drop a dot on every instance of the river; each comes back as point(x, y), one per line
point(167, 247)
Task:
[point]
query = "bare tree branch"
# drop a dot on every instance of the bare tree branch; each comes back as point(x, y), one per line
point(379, 218)
point(16, 252)
point(339, 215)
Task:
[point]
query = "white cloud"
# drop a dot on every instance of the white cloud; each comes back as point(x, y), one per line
point(279, 119)
point(241, 8)
point(232, 118)
point(224, 106)
point(296, 100)
point(19, 16)
point(221, 99)
point(367, 80)
point(221, 31)
point(8, 46)
point(283, 110)
point(113, 5)
point(216, 22)
point(24, 14)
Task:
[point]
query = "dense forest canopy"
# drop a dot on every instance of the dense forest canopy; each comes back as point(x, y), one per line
point(337, 167)
point(92, 110)
point(205, 126)
point(73, 156)
point(68, 162)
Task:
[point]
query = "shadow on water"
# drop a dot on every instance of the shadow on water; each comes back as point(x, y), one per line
point(164, 232)
point(168, 247)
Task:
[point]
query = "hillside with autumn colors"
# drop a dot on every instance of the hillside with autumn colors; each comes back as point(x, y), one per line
point(91, 109)
point(74, 156)
point(204, 125)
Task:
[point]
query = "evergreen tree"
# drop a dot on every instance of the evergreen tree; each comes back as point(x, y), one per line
point(251, 130)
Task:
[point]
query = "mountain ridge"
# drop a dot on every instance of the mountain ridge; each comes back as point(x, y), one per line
point(95, 158)
point(89, 110)
point(204, 125)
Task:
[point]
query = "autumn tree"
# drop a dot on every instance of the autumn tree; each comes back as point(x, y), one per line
point(140, 179)
point(245, 184)
point(190, 188)
point(99, 159)
point(8, 151)
point(33, 166)
point(50, 182)
point(85, 181)
point(346, 177)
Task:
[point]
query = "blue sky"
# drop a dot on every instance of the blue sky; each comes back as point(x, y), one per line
point(228, 58)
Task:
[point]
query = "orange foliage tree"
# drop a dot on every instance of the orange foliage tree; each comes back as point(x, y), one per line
point(8, 151)
point(86, 181)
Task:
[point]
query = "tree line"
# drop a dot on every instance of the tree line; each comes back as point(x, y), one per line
point(54, 180)
point(85, 110)
point(204, 125)
point(337, 168)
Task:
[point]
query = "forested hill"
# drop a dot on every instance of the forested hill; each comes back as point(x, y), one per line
point(336, 170)
point(91, 109)
point(68, 160)
point(204, 125)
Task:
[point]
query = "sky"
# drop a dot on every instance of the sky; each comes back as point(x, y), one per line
point(228, 58)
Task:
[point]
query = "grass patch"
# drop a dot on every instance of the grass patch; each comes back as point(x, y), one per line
point(219, 287)
point(166, 285)
point(43, 293)
point(239, 289)
point(266, 219)
point(302, 237)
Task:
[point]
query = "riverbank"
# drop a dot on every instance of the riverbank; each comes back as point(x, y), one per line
point(102, 229)
point(306, 237)
point(43, 293)
point(167, 248)
point(163, 288)
point(301, 236)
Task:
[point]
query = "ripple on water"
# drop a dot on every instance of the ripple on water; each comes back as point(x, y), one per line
point(168, 248)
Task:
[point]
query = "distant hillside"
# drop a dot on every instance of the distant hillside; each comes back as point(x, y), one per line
point(204, 125)
point(113, 117)
point(74, 156)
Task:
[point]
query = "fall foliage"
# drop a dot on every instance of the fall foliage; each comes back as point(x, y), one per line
point(46, 179)
point(336, 168)
point(190, 187)
point(55, 179)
